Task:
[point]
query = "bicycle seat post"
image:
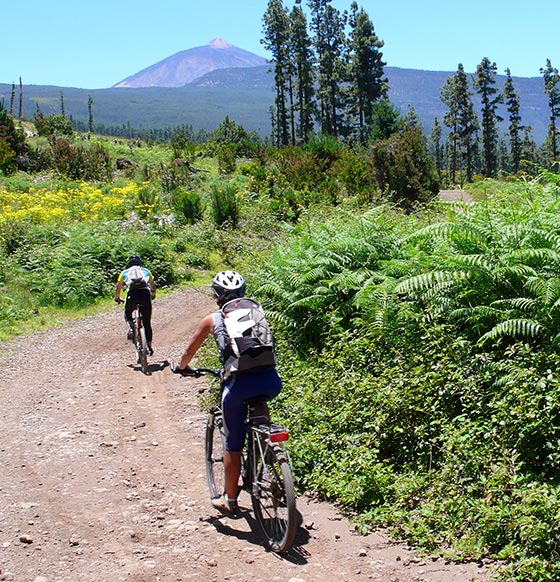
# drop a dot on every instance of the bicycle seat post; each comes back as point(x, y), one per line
point(258, 411)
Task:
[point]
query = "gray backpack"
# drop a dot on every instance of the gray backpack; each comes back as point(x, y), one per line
point(249, 343)
point(137, 279)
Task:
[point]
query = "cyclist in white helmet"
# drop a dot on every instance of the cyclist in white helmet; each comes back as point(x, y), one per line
point(239, 386)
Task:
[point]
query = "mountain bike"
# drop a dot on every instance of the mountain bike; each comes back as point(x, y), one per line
point(266, 473)
point(139, 339)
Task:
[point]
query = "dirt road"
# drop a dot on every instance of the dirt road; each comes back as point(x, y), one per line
point(102, 476)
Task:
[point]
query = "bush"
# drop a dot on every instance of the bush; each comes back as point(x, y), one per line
point(402, 167)
point(226, 159)
point(189, 205)
point(53, 125)
point(79, 163)
point(224, 205)
point(7, 157)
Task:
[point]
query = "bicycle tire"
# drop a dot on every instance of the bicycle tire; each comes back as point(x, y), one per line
point(214, 454)
point(142, 350)
point(274, 500)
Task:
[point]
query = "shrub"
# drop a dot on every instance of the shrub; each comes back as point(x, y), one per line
point(401, 166)
point(189, 205)
point(53, 125)
point(226, 159)
point(7, 157)
point(224, 205)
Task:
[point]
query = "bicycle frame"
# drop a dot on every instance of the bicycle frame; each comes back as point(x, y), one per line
point(259, 440)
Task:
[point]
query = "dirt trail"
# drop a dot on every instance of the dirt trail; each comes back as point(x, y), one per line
point(102, 476)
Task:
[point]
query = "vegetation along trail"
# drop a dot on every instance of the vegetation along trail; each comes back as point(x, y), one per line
point(102, 474)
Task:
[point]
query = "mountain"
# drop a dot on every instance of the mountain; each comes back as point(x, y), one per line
point(186, 66)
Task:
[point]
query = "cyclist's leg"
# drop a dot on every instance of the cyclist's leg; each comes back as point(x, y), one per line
point(237, 390)
point(146, 307)
point(128, 309)
point(234, 410)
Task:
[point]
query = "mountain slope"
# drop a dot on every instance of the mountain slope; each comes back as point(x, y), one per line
point(185, 66)
point(246, 95)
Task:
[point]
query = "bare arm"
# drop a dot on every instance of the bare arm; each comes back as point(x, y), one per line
point(203, 330)
point(118, 290)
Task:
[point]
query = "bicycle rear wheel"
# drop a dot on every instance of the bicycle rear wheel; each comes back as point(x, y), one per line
point(273, 498)
point(142, 350)
point(215, 441)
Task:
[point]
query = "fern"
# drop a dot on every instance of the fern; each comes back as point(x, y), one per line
point(429, 280)
point(522, 329)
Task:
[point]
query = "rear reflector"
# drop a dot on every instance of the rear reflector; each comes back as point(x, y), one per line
point(278, 437)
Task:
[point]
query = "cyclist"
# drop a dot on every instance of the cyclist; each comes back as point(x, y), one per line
point(141, 290)
point(238, 386)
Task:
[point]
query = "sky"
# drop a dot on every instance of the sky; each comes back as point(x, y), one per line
point(94, 45)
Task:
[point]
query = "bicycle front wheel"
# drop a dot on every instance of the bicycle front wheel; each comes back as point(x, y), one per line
point(142, 350)
point(274, 500)
point(215, 441)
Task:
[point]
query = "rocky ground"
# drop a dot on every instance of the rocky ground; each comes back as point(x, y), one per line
point(102, 476)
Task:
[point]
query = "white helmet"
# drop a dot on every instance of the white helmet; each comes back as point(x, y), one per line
point(228, 284)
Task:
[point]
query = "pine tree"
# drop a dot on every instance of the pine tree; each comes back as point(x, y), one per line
point(368, 83)
point(303, 63)
point(461, 119)
point(436, 145)
point(451, 120)
point(276, 40)
point(528, 145)
point(12, 98)
point(485, 82)
point(20, 116)
point(551, 80)
point(513, 106)
point(90, 114)
point(327, 24)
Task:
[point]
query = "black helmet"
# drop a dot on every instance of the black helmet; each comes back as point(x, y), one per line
point(134, 260)
point(228, 285)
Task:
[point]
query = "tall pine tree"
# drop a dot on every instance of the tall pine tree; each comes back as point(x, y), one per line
point(551, 80)
point(367, 80)
point(327, 25)
point(485, 84)
point(302, 52)
point(462, 121)
point(276, 39)
point(514, 129)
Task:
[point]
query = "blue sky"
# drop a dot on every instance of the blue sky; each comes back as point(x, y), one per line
point(94, 45)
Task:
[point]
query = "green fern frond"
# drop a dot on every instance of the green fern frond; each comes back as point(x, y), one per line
point(429, 280)
point(444, 230)
point(478, 261)
point(547, 290)
point(475, 313)
point(281, 319)
point(515, 328)
point(525, 304)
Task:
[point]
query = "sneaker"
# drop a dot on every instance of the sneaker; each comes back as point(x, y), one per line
point(150, 352)
point(129, 333)
point(225, 505)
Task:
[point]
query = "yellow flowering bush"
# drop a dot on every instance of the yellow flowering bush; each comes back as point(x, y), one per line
point(81, 202)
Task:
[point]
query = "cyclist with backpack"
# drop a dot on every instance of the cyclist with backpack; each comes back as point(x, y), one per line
point(141, 289)
point(246, 349)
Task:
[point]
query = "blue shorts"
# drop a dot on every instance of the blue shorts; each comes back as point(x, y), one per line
point(237, 390)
